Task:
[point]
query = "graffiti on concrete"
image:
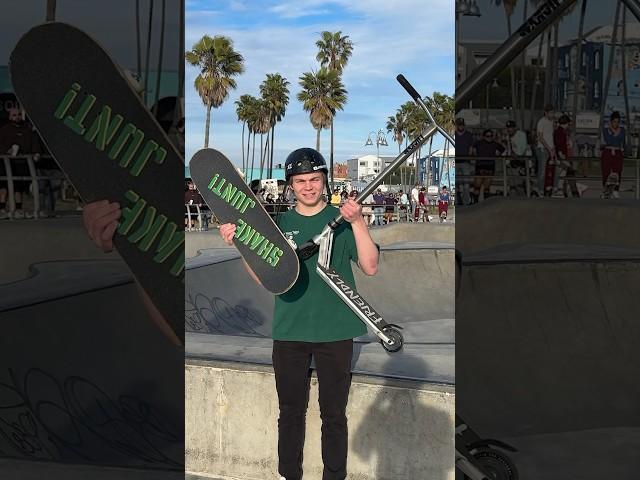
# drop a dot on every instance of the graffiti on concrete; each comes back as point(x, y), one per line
point(43, 417)
point(215, 315)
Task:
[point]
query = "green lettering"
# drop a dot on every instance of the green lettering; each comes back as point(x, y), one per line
point(136, 140)
point(246, 235)
point(75, 123)
point(170, 241)
point(240, 196)
point(213, 181)
point(218, 188)
point(255, 241)
point(240, 228)
point(142, 159)
point(148, 230)
point(160, 155)
point(265, 248)
point(229, 191)
point(128, 130)
point(248, 201)
point(130, 215)
point(178, 265)
point(67, 100)
point(274, 258)
point(102, 129)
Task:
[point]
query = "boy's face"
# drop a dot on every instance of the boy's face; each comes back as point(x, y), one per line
point(308, 188)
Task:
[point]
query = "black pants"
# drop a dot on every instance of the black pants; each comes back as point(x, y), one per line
point(291, 362)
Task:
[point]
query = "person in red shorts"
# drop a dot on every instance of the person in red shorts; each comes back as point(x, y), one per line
point(613, 138)
point(443, 204)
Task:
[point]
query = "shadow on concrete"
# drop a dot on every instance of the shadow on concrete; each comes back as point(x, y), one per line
point(400, 437)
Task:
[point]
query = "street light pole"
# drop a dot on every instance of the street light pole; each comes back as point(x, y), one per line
point(380, 140)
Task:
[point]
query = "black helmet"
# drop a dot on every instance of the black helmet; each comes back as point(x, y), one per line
point(304, 160)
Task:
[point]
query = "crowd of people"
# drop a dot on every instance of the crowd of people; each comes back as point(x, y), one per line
point(549, 156)
point(18, 139)
point(379, 208)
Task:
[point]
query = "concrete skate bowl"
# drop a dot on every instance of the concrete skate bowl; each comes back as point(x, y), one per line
point(86, 378)
point(547, 322)
point(228, 316)
point(384, 235)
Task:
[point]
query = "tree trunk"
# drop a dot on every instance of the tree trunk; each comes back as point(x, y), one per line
point(51, 11)
point(554, 62)
point(514, 93)
point(253, 156)
point(522, 74)
point(605, 93)
point(206, 125)
point(318, 140)
point(266, 154)
point(160, 58)
point(536, 81)
point(148, 54)
point(576, 72)
point(547, 76)
point(243, 164)
point(429, 160)
point(627, 117)
point(273, 129)
point(248, 148)
point(331, 157)
point(261, 155)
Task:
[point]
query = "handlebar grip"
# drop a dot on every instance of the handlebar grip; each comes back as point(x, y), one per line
point(408, 87)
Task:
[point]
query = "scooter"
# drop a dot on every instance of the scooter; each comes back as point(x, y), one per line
point(482, 458)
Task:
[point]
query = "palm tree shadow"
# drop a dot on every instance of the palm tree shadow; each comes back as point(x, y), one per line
point(400, 436)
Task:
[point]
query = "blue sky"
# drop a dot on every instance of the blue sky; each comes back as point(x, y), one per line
point(412, 37)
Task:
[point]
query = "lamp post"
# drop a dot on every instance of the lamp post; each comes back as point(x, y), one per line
point(380, 140)
point(465, 8)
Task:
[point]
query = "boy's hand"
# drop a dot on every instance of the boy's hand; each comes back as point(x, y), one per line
point(101, 220)
point(227, 231)
point(351, 211)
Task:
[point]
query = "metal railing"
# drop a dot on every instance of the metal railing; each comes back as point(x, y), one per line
point(529, 178)
point(9, 177)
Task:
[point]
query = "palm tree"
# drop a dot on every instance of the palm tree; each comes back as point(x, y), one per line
point(334, 51)
point(218, 63)
point(442, 107)
point(322, 95)
point(243, 107)
point(259, 123)
point(397, 125)
point(275, 93)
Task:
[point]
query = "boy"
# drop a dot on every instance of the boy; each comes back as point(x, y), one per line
point(310, 320)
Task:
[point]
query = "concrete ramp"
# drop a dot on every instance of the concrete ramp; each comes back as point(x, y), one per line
point(228, 316)
point(86, 379)
point(547, 331)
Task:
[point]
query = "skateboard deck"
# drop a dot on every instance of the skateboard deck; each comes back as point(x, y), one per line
point(257, 238)
point(110, 147)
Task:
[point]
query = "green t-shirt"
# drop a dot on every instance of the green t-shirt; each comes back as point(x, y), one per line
point(310, 311)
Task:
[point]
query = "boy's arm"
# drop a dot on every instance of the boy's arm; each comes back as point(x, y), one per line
point(367, 249)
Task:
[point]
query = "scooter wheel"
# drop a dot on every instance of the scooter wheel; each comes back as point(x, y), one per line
point(395, 335)
point(497, 465)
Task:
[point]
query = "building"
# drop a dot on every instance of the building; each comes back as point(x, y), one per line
point(441, 169)
point(366, 167)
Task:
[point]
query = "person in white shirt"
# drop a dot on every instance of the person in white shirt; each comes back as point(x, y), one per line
point(415, 193)
point(517, 146)
point(404, 206)
point(545, 148)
